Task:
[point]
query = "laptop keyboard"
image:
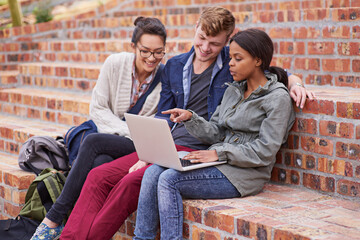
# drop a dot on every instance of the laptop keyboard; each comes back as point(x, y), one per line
point(186, 163)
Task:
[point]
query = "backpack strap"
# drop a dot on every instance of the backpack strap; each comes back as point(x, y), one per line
point(44, 195)
point(52, 158)
point(32, 167)
point(140, 102)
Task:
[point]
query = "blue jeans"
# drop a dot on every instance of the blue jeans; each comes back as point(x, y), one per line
point(161, 195)
point(97, 149)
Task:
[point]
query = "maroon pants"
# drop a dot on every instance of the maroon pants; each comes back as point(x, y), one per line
point(110, 194)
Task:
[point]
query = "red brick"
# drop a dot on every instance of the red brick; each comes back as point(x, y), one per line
point(306, 33)
point(6, 133)
point(19, 181)
point(358, 132)
point(316, 182)
point(192, 213)
point(84, 47)
point(280, 33)
point(348, 110)
point(292, 47)
point(76, 57)
point(200, 234)
point(323, 48)
point(288, 235)
point(317, 145)
point(346, 14)
point(316, 14)
point(348, 150)
point(356, 65)
point(61, 71)
point(356, 32)
point(349, 48)
point(65, 119)
point(319, 79)
point(292, 142)
point(33, 113)
point(92, 73)
point(48, 116)
point(338, 167)
point(289, 16)
point(305, 125)
point(348, 188)
point(263, 17)
point(12, 210)
point(307, 63)
point(215, 219)
point(336, 65)
point(336, 32)
point(331, 128)
point(348, 81)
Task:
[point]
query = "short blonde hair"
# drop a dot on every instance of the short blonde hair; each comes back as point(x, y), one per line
point(214, 20)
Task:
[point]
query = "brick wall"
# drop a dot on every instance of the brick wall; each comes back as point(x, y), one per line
point(317, 40)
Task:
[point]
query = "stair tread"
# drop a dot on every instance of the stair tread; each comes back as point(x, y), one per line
point(54, 94)
point(32, 126)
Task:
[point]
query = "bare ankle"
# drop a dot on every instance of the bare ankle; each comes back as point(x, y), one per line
point(50, 223)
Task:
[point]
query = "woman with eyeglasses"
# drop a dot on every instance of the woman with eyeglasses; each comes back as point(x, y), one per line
point(128, 82)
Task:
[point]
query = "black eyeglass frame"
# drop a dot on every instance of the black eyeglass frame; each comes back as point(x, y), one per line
point(147, 53)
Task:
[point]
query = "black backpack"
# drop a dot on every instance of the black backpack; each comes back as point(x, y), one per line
point(19, 228)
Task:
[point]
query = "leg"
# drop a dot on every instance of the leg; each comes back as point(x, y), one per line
point(98, 185)
point(120, 203)
point(147, 218)
point(198, 184)
point(96, 148)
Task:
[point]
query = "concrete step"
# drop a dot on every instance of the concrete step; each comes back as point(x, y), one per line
point(8, 79)
point(64, 108)
point(72, 77)
point(15, 131)
point(278, 212)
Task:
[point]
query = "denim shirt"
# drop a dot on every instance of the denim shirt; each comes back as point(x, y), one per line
point(247, 133)
point(176, 82)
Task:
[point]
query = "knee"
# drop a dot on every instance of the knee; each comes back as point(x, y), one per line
point(96, 176)
point(168, 178)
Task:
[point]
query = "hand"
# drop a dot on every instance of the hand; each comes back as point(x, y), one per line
point(299, 94)
point(178, 115)
point(138, 165)
point(202, 156)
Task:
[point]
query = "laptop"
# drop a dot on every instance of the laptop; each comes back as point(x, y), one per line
point(154, 143)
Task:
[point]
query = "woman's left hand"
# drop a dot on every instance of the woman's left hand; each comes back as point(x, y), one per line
point(299, 95)
point(202, 156)
point(138, 165)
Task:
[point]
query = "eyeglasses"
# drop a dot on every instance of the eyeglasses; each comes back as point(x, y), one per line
point(147, 54)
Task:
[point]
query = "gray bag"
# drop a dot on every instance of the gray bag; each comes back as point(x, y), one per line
point(40, 152)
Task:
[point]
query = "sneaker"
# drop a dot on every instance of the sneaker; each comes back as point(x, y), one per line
point(43, 232)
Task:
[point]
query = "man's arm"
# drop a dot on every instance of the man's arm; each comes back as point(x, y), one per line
point(298, 91)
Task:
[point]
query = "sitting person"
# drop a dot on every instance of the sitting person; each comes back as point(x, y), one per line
point(128, 82)
point(197, 80)
point(246, 130)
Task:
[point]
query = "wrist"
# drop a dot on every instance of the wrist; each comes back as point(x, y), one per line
point(300, 84)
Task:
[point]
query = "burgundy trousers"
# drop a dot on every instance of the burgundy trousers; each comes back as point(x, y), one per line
point(110, 194)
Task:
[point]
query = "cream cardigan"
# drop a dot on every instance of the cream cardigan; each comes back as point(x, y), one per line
point(111, 95)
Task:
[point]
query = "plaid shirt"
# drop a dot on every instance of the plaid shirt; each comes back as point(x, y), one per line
point(139, 89)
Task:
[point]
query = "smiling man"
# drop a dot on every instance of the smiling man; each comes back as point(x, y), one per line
point(196, 79)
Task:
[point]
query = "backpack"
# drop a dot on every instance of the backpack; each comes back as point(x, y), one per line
point(20, 228)
point(75, 136)
point(42, 193)
point(40, 152)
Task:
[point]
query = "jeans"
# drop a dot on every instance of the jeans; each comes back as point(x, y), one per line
point(161, 195)
point(97, 149)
